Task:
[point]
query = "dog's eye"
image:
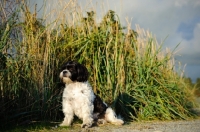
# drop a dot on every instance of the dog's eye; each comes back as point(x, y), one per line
point(70, 68)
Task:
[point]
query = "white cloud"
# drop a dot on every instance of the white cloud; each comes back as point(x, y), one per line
point(192, 46)
point(196, 40)
point(180, 3)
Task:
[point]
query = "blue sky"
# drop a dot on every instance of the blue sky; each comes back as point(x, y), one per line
point(176, 20)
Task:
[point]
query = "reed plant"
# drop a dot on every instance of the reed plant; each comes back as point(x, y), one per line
point(128, 68)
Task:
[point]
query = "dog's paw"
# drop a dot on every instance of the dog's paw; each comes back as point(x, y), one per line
point(101, 121)
point(64, 124)
point(87, 125)
point(117, 122)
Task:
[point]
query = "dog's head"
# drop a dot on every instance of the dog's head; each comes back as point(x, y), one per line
point(73, 72)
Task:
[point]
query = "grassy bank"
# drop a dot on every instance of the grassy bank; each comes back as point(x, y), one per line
point(128, 68)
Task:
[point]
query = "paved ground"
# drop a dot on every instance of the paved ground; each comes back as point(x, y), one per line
point(173, 126)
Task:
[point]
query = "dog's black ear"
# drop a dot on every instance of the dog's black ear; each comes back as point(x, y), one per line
point(82, 73)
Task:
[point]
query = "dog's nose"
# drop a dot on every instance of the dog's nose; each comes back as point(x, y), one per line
point(64, 72)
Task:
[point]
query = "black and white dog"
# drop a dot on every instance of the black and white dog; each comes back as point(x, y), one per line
point(80, 100)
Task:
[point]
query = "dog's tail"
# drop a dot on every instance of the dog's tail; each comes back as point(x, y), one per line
point(111, 117)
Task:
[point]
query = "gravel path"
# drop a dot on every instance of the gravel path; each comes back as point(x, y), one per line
point(172, 126)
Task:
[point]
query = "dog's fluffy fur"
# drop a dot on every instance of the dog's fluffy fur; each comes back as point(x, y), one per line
point(80, 100)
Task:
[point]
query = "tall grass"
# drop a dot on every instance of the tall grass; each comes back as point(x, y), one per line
point(129, 70)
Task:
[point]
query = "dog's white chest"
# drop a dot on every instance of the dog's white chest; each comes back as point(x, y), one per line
point(78, 93)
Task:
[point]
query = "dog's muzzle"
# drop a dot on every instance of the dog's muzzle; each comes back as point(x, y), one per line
point(65, 73)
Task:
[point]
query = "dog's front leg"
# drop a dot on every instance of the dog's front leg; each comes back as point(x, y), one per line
point(68, 113)
point(87, 116)
point(87, 122)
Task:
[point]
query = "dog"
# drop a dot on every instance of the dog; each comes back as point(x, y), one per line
point(80, 100)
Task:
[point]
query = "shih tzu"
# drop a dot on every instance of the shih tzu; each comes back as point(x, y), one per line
point(80, 100)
